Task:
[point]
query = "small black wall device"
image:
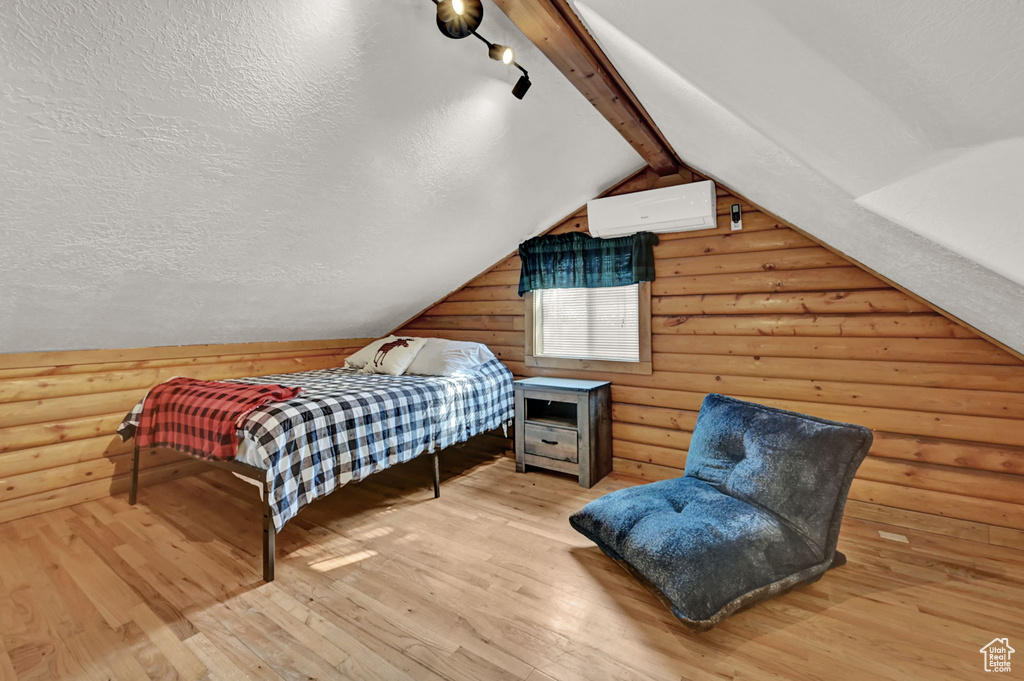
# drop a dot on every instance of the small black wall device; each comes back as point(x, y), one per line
point(737, 217)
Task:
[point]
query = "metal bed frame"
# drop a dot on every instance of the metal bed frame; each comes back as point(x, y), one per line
point(259, 476)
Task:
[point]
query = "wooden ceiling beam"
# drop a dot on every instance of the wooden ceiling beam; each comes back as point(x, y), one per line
point(555, 29)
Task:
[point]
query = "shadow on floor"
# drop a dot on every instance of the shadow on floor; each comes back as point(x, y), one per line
point(787, 610)
point(234, 521)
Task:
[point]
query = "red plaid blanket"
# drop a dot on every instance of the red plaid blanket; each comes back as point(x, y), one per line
point(202, 417)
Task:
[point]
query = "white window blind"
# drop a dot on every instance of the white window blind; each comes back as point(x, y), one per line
point(588, 323)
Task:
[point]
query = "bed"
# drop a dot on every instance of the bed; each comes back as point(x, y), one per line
point(345, 426)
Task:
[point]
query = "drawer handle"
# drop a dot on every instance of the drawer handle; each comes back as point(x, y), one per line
point(549, 442)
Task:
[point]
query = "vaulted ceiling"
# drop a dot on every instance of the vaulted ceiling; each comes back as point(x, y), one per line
point(254, 170)
point(892, 131)
point(250, 170)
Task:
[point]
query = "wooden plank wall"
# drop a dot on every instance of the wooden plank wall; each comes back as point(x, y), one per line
point(769, 315)
point(59, 410)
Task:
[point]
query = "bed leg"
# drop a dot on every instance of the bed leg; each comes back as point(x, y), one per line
point(133, 491)
point(437, 476)
point(268, 537)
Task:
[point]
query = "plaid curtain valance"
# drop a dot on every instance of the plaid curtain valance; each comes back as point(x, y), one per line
point(578, 260)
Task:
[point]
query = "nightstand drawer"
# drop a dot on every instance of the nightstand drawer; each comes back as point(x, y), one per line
point(552, 443)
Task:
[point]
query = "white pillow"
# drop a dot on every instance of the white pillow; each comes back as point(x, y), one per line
point(358, 359)
point(440, 357)
point(395, 356)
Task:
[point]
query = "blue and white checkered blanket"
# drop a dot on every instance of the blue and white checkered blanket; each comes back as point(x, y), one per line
point(347, 425)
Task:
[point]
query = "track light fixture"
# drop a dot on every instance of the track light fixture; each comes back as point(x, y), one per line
point(522, 85)
point(460, 18)
point(501, 53)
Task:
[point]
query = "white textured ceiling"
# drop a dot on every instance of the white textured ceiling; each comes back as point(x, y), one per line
point(892, 131)
point(247, 170)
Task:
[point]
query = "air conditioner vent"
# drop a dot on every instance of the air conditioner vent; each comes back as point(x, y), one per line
point(682, 208)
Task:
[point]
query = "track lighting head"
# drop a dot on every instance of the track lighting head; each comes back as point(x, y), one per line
point(519, 91)
point(459, 18)
point(501, 53)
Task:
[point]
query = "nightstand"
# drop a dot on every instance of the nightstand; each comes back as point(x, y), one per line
point(564, 424)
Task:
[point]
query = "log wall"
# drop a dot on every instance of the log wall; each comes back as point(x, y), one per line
point(59, 410)
point(769, 315)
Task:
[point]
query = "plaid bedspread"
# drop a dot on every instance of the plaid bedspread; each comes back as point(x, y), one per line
point(348, 425)
point(201, 418)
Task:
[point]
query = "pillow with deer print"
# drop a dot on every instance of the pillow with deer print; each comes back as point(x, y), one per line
point(394, 356)
point(358, 359)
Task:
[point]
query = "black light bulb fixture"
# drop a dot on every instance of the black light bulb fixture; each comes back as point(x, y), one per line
point(522, 85)
point(460, 18)
point(501, 53)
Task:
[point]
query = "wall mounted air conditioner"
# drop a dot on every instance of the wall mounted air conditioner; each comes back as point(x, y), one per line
point(682, 208)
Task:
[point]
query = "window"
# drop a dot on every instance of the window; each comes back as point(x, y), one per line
point(587, 323)
point(600, 329)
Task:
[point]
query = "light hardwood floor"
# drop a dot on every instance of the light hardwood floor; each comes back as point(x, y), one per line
point(381, 581)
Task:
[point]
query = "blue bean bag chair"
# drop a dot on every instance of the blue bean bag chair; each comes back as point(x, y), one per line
point(756, 512)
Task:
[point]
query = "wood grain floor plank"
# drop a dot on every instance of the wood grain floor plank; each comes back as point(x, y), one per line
point(214, 659)
point(382, 582)
point(188, 666)
point(94, 644)
point(369, 658)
